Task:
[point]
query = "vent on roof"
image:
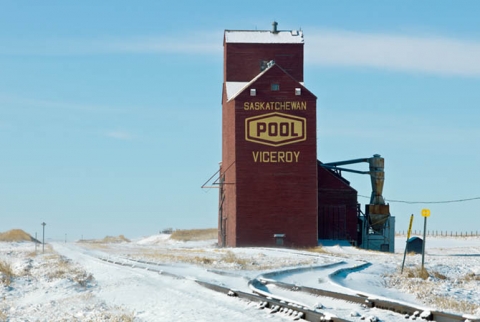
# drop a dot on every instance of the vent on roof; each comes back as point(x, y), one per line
point(274, 30)
point(263, 65)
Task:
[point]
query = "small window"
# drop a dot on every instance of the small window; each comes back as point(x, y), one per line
point(275, 87)
point(253, 92)
point(298, 91)
point(279, 238)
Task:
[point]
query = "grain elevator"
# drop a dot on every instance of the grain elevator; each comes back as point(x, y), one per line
point(273, 190)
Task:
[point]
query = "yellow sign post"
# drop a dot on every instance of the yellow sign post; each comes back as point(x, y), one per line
point(410, 227)
point(425, 214)
point(406, 244)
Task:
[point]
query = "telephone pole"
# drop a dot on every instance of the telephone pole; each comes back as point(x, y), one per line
point(43, 237)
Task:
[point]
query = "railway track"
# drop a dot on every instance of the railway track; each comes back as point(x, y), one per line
point(297, 311)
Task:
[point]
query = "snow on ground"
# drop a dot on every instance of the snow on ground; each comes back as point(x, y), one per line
point(70, 283)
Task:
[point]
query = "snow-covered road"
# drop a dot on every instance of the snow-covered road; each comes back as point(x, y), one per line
point(71, 283)
point(154, 297)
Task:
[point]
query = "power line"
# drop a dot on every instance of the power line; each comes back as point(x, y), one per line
point(428, 202)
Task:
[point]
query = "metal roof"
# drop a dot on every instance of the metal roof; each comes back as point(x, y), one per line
point(264, 36)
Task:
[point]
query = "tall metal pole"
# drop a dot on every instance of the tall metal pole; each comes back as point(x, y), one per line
point(43, 237)
point(425, 214)
point(424, 235)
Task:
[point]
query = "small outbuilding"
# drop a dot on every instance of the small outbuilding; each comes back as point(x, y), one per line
point(415, 245)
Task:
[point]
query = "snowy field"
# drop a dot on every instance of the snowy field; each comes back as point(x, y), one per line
point(69, 282)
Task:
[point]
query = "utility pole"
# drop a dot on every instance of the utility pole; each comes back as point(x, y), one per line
point(43, 237)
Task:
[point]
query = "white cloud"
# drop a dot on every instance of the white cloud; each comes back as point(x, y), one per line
point(119, 135)
point(399, 129)
point(198, 43)
point(433, 55)
point(324, 47)
point(26, 102)
point(193, 44)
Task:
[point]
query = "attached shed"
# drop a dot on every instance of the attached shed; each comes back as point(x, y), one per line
point(415, 245)
point(337, 207)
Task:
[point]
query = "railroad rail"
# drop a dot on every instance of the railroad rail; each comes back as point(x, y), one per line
point(407, 310)
point(296, 310)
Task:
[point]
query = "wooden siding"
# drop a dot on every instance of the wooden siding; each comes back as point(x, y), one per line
point(243, 61)
point(271, 197)
point(337, 211)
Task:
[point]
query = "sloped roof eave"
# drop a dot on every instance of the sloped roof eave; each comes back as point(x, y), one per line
point(250, 82)
point(247, 84)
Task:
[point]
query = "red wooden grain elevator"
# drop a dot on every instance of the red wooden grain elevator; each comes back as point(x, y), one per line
point(273, 190)
point(268, 174)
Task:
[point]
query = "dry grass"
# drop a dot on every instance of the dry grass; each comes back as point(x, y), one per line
point(450, 303)
point(180, 256)
point(124, 317)
point(231, 258)
point(6, 273)
point(471, 277)
point(107, 240)
point(417, 273)
point(15, 235)
point(64, 268)
point(3, 317)
point(318, 249)
point(423, 274)
point(195, 234)
point(203, 260)
point(115, 239)
point(422, 283)
point(83, 279)
point(218, 258)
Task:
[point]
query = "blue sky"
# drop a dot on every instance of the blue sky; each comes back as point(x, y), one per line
point(110, 112)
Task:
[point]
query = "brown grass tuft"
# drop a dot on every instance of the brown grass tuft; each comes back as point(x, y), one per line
point(318, 249)
point(231, 258)
point(450, 303)
point(114, 240)
point(15, 235)
point(471, 277)
point(3, 317)
point(195, 234)
point(64, 268)
point(124, 317)
point(422, 283)
point(6, 273)
point(417, 273)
